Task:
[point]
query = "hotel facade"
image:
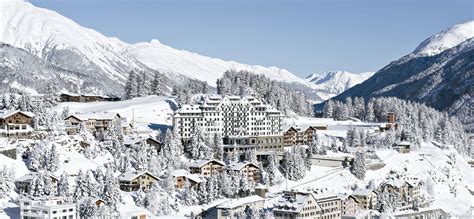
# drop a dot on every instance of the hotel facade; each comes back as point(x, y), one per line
point(239, 120)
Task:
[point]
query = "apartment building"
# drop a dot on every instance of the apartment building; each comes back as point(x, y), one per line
point(330, 205)
point(308, 205)
point(206, 167)
point(15, 123)
point(349, 204)
point(239, 120)
point(298, 136)
point(46, 207)
point(181, 176)
point(367, 198)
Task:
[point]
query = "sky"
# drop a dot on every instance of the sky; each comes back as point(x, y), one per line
point(302, 36)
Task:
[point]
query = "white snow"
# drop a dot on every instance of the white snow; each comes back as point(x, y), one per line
point(445, 40)
point(148, 113)
point(193, 65)
point(332, 83)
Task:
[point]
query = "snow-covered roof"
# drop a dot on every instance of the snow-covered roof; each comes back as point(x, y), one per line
point(200, 163)
point(132, 174)
point(293, 203)
point(30, 176)
point(362, 192)
point(184, 173)
point(239, 165)
point(130, 140)
point(95, 116)
point(233, 203)
point(7, 113)
point(403, 143)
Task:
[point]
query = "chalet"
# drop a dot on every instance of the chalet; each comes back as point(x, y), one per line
point(402, 147)
point(181, 176)
point(130, 141)
point(95, 122)
point(298, 136)
point(236, 207)
point(23, 183)
point(247, 169)
point(349, 204)
point(127, 127)
point(367, 198)
point(207, 167)
point(68, 97)
point(133, 180)
point(15, 123)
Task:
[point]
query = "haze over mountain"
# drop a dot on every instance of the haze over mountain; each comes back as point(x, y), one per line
point(439, 72)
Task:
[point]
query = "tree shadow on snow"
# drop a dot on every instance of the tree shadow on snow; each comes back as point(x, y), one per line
point(172, 104)
point(12, 212)
point(161, 127)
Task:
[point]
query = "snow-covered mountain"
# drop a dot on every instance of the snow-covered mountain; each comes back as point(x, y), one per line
point(66, 44)
point(165, 58)
point(445, 40)
point(332, 83)
point(439, 73)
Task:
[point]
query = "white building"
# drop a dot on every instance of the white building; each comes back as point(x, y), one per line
point(239, 120)
point(46, 208)
point(238, 207)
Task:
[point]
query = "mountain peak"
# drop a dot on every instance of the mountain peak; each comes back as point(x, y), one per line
point(446, 39)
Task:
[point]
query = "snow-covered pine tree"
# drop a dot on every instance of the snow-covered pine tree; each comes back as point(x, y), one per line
point(189, 194)
point(217, 147)
point(63, 185)
point(158, 86)
point(358, 166)
point(87, 208)
point(131, 86)
point(6, 182)
point(110, 191)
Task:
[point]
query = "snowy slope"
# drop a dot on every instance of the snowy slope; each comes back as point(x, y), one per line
point(150, 112)
point(333, 83)
point(70, 46)
point(165, 58)
point(445, 40)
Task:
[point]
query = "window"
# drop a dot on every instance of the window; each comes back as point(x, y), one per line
point(55, 212)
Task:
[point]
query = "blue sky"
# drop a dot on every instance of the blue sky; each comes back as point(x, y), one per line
point(302, 36)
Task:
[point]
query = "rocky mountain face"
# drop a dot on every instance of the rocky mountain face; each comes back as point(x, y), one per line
point(439, 73)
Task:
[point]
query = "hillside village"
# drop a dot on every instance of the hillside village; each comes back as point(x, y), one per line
point(222, 156)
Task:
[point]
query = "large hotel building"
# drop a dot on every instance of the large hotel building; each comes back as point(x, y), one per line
point(244, 121)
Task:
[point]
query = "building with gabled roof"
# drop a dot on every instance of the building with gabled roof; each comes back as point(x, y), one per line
point(22, 184)
point(349, 204)
point(245, 168)
point(297, 205)
point(182, 175)
point(207, 167)
point(16, 123)
point(235, 207)
point(133, 180)
point(96, 122)
point(367, 198)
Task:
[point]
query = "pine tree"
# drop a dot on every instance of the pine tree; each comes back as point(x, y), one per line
point(53, 159)
point(158, 86)
point(189, 194)
point(110, 192)
point(217, 147)
point(6, 182)
point(131, 87)
point(87, 208)
point(358, 167)
point(63, 186)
